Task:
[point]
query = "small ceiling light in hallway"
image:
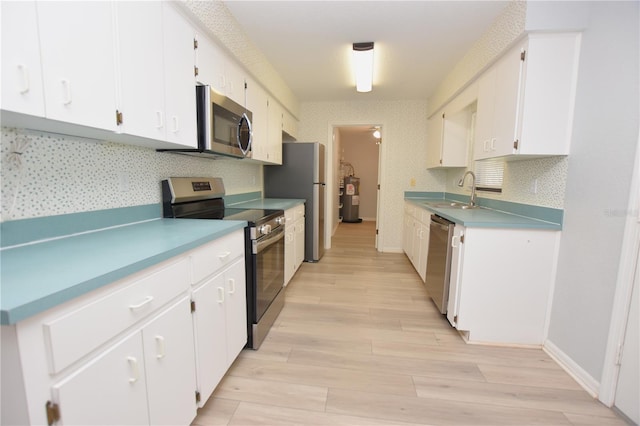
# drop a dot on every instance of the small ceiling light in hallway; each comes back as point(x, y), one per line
point(363, 65)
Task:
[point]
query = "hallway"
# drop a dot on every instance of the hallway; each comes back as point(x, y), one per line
point(360, 343)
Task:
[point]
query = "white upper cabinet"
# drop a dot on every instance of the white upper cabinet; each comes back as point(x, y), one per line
point(156, 83)
point(449, 131)
point(22, 89)
point(274, 139)
point(180, 90)
point(290, 124)
point(267, 124)
point(218, 70)
point(257, 103)
point(78, 65)
point(141, 70)
point(526, 100)
point(209, 60)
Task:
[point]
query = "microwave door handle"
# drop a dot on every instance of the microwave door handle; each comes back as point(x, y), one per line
point(244, 118)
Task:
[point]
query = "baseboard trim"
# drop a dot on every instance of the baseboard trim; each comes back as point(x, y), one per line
point(583, 378)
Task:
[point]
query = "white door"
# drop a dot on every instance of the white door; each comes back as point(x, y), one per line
point(170, 366)
point(210, 335)
point(141, 69)
point(22, 89)
point(110, 390)
point(78, 62)
point(627, 392)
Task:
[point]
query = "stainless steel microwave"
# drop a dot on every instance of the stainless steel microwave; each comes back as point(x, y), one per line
point(224, 126)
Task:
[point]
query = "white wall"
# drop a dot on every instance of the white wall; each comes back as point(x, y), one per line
point(597, 190)
point(403, 153)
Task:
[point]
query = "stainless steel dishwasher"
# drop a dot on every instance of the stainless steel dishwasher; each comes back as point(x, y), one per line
point(439, 261)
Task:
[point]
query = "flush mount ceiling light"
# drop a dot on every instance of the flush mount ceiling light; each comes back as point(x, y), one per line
point(376, 133)
point(363, 65)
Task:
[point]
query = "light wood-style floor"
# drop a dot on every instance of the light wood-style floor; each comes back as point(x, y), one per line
point(360, 343)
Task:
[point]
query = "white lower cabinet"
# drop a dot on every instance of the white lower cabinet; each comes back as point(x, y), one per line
point(220, 322)
point(501, 280)
point(293, 241)
point(299, 237)
point(147, 378)
point(132, 352)
point(121, 396)
point(416, 237)
point(169, 365)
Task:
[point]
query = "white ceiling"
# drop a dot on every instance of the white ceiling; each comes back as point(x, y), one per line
point(416, 42)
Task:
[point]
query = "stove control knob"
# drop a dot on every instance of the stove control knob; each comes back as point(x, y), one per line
point(265, 229)
point(281, 220)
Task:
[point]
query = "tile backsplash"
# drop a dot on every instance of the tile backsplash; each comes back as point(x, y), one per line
point(46, 174)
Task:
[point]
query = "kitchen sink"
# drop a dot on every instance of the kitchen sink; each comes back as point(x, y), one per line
point(450, 205)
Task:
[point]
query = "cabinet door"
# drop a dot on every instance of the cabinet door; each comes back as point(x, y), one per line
point(77, 49)
point(299, 243)
point(407, 235)
point(257, 103)
point(179, 76)
point(415, 250)
point(455, 281)
point(234, 81)
point(141, 68)
point(484, 138)
point(434, 140)
point(170, 366)
point(289, 252)
point(236, 310)
point(210, 335)
point(507, 96)
point(111, 389)
point(290, 125)
point(424, 251)
point(22, 89)
point(209, 60)
point(274, 138)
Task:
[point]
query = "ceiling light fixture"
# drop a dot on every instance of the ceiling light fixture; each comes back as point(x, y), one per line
point(363, 65)
point(376, 134)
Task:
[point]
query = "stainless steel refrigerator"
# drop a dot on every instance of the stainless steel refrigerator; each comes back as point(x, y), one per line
point(301, 175)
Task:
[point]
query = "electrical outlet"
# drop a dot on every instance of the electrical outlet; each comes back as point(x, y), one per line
point(412, 183)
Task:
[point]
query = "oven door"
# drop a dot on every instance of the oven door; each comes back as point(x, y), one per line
point(268, 271)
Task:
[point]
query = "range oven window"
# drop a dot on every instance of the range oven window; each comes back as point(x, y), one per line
point(270, 270)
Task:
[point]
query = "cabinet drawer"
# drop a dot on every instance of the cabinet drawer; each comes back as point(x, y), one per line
point(289, 215)
point(70, 337)
point(426, 216)
point(211, 257)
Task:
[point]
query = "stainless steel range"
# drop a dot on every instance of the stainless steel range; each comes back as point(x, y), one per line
point(201, 198)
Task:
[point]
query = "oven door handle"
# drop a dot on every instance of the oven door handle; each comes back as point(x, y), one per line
point(272, 238)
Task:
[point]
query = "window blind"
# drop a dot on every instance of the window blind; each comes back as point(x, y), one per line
point(489, 175)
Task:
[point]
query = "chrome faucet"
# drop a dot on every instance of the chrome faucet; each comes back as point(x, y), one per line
point(472, 201)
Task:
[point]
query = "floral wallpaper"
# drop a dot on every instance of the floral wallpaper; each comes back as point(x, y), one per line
point(540, 182)
point(47, 174)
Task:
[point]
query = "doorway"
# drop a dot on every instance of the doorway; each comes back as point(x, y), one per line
point(357, 153)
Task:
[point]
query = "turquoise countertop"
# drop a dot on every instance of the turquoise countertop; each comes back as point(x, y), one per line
point(485, 217)
point(40, 275)
point(270, 203)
